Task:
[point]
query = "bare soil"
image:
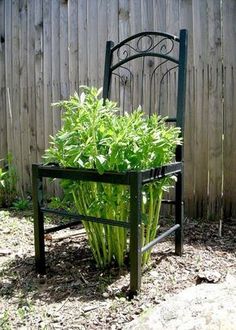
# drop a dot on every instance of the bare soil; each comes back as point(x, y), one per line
point(76, 295)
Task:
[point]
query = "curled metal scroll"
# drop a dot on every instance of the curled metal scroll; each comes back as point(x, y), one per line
point(123, 78)
point(164, 47)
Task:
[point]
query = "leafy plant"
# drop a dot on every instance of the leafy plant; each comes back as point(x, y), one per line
point(8, 182)
point(94, 136)
point(21, 204)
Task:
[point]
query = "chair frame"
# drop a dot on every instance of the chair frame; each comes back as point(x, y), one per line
point(134, 179)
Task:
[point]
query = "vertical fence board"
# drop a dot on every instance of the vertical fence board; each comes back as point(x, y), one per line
point(82, 42)
point(47, 69)
point(24, 109)
point(3, 114)
point(200, 31)
point(186, 22)
point(135, 27)
point(73, 45)
point(31, 95)
point(56, 88)
point(113, 34)
point(92, 21)
point(215, 113)
point(102, 38)
point(124, 32)
point(15, 92)
point(39, 78)
point(64, 54)
point(229, 47)
point(8, 73)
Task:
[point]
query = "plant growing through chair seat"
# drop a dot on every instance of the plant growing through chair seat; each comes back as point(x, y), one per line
point(93, 136)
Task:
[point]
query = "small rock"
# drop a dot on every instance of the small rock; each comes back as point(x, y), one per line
point(105, 295)
point(208, 276)
point(5, 252)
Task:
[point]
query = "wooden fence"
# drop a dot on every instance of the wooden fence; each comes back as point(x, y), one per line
point(50, 47)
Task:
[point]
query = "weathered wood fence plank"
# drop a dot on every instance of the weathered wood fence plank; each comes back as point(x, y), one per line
point(229, 62)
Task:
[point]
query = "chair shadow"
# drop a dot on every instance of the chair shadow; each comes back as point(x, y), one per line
point(70, 272)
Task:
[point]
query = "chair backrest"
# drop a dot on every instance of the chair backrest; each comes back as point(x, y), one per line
point(148, 69)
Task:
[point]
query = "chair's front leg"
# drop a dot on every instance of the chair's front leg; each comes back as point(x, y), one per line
point(37, 193)
point(179, 210)
point(135, 233)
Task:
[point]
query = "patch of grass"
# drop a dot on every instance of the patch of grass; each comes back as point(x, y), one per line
point(5, 321)
point(25, 309)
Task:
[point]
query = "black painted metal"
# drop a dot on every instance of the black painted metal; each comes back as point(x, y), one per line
point(107, 75)
point(83, 174)
point(179, 215)
point(117, 223)
point(134, 179)
point(135, 232)
point(183, 48)
point(143, 54)
point(160, 172)
point(37, 194)
point(160, 238)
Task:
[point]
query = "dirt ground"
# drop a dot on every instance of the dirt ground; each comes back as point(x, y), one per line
point(76, 295)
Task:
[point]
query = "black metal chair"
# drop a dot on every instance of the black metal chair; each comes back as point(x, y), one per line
point(154, 51)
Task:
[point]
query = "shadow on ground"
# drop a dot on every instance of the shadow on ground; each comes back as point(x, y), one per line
point(71, 272)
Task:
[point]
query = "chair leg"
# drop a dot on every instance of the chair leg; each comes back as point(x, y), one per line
point(38, 222)
point(179, 214)
point(135, 234)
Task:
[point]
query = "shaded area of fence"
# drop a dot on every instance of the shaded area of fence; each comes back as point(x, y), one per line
point(50, 47)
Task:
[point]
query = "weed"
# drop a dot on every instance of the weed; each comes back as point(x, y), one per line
point(4, 321)
point(21, 204)
point(8, 181)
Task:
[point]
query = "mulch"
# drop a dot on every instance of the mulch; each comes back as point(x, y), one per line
point(76, 295)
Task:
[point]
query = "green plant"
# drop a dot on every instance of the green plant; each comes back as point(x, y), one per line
point(2, 175)
point(21, 204)
point(4, 321)
point(94, 136)
point(25, 308)
point(8, 181)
